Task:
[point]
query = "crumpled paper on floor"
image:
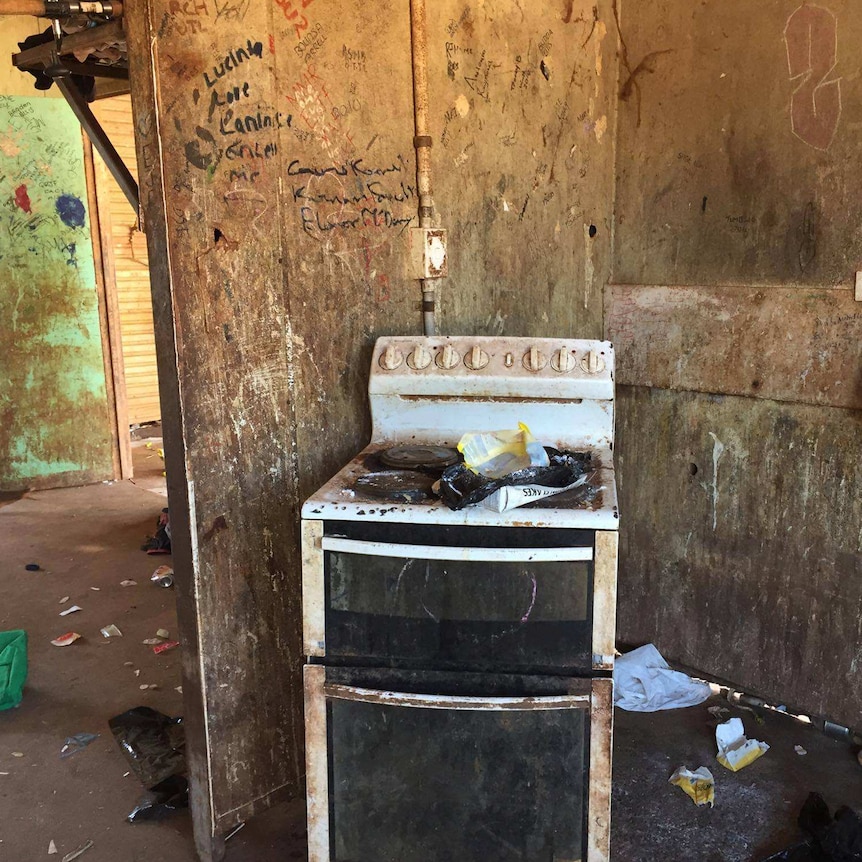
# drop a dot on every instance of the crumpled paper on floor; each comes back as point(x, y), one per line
point(735, 751)
point(699, 785)
point(644, 682)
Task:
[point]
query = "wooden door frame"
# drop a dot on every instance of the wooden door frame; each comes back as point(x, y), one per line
point(109, 321)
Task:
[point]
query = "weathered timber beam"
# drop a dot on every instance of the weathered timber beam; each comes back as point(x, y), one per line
point(100, 141)
point(94, 70)
point(90, 39)
point(60, 9)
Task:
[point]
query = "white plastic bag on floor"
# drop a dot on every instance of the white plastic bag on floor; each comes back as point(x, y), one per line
point(644, 682)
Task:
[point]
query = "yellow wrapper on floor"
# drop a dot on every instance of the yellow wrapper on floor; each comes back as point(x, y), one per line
point(698, 785)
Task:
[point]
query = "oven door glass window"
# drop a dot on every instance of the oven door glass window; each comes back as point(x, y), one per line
point(532, 612)
point(429, 781)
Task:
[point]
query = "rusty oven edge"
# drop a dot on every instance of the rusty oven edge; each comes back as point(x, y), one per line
point(601, 740)
point(313, 589)
point(605, 599)
point(316, 770)
point(456, 702)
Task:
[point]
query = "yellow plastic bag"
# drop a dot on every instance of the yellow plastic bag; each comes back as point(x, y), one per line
point(497, 453)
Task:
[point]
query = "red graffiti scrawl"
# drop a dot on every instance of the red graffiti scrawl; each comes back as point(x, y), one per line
point(811, 36)
point(22, 199)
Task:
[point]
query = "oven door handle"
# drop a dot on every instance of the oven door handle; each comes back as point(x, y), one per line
point(460, 702)
point(440, 552)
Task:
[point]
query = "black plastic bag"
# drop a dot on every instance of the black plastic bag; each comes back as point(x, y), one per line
point(166, 798)
point(460, 486)
point(832, 840)
point(154, 745)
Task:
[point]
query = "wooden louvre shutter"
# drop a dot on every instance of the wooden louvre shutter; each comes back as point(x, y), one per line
point(131, 271)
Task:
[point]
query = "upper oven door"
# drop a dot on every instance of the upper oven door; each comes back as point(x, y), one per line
point(454, 598)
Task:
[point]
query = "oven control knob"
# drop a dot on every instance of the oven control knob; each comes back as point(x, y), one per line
point(535, 360)
point(562, 361)
point(592, 363)
point(391, 358)
point(476, 359)
point(420, 358)
point(448, 357)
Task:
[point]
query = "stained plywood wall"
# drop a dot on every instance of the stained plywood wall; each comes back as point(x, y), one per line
point(280, 143)
point(737, 238)
point(54, 425)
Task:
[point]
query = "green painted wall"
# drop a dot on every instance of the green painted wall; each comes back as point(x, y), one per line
point(54, 425)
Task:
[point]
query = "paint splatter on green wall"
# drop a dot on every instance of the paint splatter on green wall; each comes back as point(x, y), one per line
point(54, 424)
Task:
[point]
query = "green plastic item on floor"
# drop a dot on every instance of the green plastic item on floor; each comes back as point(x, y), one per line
point(13, 667)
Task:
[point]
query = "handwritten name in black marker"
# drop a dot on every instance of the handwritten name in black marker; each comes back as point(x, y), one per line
point(233, 60)
point(355, 167)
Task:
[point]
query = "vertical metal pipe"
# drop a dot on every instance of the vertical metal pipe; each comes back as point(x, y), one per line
point(100, 141)
point(422, 144)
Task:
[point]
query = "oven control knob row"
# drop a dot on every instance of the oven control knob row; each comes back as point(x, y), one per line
point(562, 361)
point(448, 357)
point(419, 358)
point(535, 360)
point(592, 363)
point(391, 358)
point(476, 359)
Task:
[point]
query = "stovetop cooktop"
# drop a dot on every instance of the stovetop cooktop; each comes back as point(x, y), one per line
point(425, 392)
point(355, 493)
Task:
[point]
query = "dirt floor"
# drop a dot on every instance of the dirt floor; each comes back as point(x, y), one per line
point(90, 537)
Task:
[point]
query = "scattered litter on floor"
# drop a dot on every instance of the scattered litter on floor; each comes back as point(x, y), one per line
point(831, 840)
point(179, 688)
point(69, 857)
point(66, 640)
point(73, 610)
point(160, 543)
point(128, 664)
point(698, 785)
point(137, 672)
point(111, 631)
point(164, 634)
point(128, 583)
point(165, 647)
point(33, 567)
point(4, 773)
point(97, 589)
point(735, 751)
point(644, 682)
point(63, 600)
point(233, 832)
point(154, 746)
point(800, 750)
point(13, 667)
point(76, 743)
point(151, 641)
point(17, 754)
point(52, 847)
point(162, 800)
point(718, 711)
point(163, 576)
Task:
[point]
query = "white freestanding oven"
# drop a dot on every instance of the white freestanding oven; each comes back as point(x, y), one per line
point(458, 691)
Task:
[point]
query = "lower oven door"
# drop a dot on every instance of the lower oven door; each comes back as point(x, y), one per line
point(416, 776)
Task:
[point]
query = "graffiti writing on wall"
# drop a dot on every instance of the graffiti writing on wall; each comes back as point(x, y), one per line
point(811, 36)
